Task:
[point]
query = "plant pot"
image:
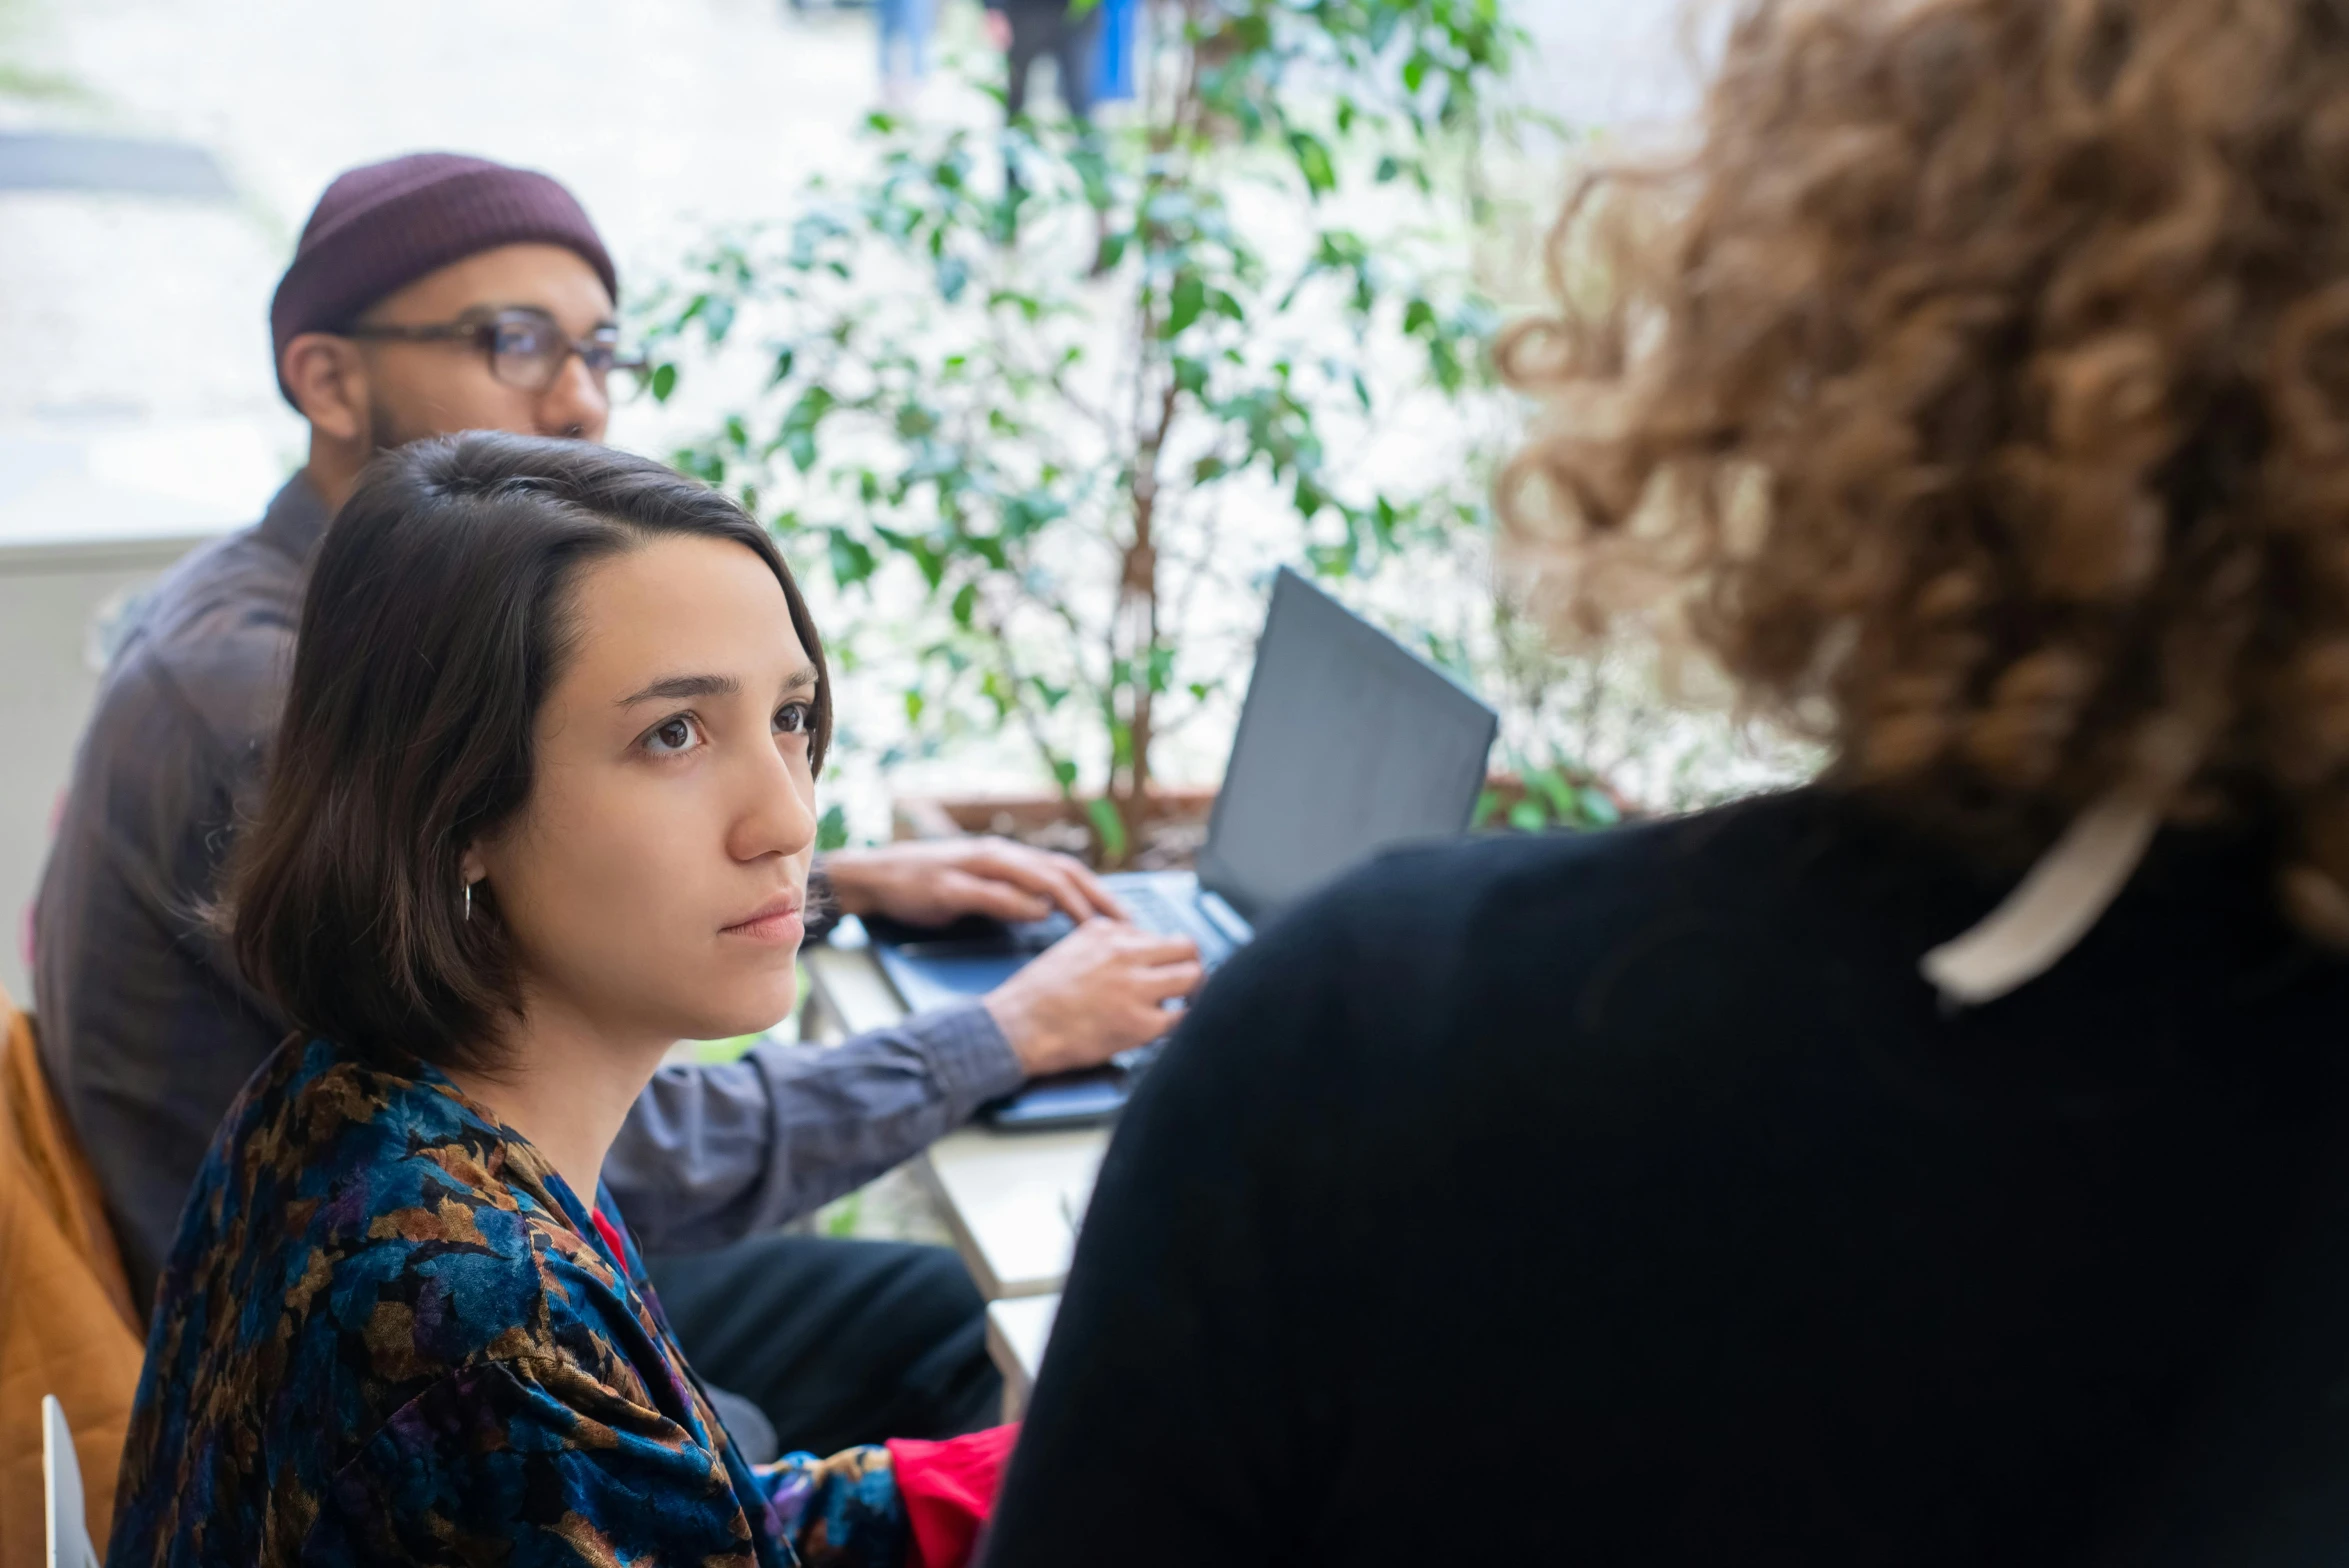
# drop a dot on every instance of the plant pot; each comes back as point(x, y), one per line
point(1174, 826)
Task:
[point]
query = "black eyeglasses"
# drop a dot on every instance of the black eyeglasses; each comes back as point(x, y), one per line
point(526, 349)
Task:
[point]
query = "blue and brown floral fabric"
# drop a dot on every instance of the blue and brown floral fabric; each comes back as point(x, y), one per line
point(390, 1333)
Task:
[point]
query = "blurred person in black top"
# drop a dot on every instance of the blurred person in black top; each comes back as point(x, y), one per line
point(1028, 30)
point(1946, 1162)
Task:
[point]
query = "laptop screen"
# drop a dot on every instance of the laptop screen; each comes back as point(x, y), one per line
point(1347, 744)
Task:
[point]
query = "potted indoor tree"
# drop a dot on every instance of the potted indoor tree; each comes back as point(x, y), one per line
point(1057, 398)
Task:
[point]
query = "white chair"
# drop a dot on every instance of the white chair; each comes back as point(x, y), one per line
point(61, 1486)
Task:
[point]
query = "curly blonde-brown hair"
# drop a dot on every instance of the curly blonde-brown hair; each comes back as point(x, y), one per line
point(1977, 389)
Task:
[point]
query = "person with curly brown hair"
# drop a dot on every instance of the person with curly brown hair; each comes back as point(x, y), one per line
point(1944, 1163)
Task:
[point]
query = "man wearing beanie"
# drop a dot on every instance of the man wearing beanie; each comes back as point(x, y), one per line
point(431, 294)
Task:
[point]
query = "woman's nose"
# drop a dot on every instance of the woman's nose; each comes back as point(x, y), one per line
point(777, 812)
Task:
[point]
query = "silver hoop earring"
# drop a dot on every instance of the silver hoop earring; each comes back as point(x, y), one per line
point(468, 903)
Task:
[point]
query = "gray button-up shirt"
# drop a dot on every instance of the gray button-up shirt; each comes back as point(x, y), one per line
point(148, 1031)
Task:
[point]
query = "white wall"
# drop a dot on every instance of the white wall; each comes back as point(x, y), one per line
point(52, 603)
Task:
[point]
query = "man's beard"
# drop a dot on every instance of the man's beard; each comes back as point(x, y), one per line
point(387, 431)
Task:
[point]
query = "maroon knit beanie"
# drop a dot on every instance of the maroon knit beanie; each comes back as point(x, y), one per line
point(381, 227)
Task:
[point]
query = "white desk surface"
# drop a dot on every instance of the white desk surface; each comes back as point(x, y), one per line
point(1011, 1200)
point(1017, 1331)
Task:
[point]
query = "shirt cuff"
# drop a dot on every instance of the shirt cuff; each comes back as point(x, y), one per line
point(966, 1048)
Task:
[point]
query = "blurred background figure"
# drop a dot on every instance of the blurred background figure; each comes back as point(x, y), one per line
point(1113, 67)
point(904, 28)
point(1030, 30)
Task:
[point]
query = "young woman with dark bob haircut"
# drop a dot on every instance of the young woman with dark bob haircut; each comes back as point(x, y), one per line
point(541, 804)
point(1947, 1163)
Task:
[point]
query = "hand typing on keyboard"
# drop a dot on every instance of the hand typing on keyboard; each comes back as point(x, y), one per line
point(1103, 989)
point(1152, 909)
point(930, 882)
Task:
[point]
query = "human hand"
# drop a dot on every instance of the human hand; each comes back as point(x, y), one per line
point(1094, 993)
point(931, 881)
point(999, 29)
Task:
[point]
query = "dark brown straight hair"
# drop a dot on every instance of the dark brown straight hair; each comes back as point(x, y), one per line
point(437, 619)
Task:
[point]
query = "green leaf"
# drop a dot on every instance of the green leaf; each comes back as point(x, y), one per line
point(1526, 817)
point(1190, 375)
point(1184, 305)
point(851, 559)
point(1556, 789)
point(798, 435)
point(966, 600)
point(832, 829)
point(1443, 362)
point(993, 687)
point(1313, 162)
point(915, 703)
point(785, 358)
point(1064, 773)
point(1109, 827)
point(717, 320)
point(664, 381)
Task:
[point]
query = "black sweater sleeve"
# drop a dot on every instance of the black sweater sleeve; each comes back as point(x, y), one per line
point(1180, 1407)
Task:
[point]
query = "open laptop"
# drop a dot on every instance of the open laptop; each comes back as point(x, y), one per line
point(1347, 744)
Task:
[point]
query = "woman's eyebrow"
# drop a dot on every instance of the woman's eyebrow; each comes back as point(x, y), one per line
point(679, 687)
point(674, 687)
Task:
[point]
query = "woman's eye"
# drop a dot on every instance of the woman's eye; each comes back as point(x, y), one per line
point(794, 719)
point(670, 737)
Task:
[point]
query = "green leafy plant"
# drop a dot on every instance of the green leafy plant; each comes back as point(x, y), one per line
point(1071, 392)
point(1555, 794)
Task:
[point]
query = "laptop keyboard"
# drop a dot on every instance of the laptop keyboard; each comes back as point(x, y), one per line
point(1175, 917)
point(1154, 911)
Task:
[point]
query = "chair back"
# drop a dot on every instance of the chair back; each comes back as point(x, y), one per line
point(67, 1333)
point(61, 1486)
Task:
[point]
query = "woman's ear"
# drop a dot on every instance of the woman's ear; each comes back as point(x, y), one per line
point(470, 866)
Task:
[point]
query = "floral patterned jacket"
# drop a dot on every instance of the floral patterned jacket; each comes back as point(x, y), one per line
point(389, 1332)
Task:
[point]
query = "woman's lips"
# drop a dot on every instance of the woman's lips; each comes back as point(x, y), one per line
point(779, 923)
